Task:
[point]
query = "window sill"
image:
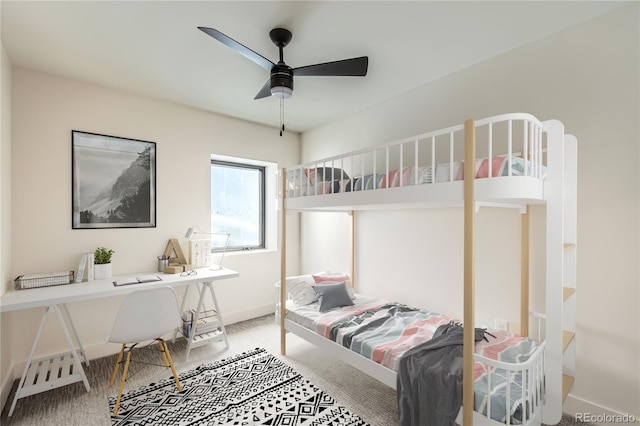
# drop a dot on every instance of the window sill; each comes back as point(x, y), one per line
point(247, 252)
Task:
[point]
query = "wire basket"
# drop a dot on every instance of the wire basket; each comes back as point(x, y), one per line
point(43, 280)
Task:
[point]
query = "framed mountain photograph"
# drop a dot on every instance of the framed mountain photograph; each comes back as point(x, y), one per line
point(113, 182)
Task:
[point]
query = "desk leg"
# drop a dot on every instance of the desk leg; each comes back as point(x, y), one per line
point(184, 299)
point(37, 371)
point(75, 333)
point(209, 285)
point(76, 359)
point(196, 340)
point(192, 334)
point(28, 364)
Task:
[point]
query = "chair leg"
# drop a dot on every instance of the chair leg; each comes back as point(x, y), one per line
point(124, 377)
point(173, 367)
point(117, 366)
point(164, 355)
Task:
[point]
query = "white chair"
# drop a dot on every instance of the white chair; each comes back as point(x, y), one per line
point(144, 315)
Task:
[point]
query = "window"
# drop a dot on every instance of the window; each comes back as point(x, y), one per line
point(238, 203)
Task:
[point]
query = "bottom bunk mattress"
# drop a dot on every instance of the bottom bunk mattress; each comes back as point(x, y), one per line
point(383, 331)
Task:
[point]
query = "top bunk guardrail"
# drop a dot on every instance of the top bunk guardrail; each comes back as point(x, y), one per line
point(427, 169)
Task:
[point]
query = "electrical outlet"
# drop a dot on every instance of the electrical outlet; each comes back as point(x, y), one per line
point(501, 324)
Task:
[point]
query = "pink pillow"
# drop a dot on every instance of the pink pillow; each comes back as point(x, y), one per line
point(483, 170)
point(333, 279)
point(321, 278)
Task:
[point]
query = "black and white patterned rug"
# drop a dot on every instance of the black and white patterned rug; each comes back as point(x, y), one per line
point(252, 388)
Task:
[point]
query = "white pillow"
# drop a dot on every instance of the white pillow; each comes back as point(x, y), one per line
point(425, 175)
point(299, 185)
point(299, 289)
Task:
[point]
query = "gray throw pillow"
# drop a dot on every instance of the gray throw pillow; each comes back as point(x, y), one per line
point(332, 296)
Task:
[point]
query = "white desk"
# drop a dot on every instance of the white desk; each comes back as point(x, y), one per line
point(62, 369)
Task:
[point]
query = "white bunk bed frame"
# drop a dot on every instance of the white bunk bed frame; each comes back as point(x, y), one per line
point(557, 190)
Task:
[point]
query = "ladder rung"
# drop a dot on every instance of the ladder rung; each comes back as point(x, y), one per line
point(567, 292)
point(567, 337)
point(567, 382)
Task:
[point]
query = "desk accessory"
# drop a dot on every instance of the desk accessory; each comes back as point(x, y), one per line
point(177, 262)
point(163, 262)
point(91, 266)
point(136, 280)
point(81, 268)
point(206, 322)
point(102, 263)
point(200, 250)
point(43, 280)
point(87, 265)
point(177, 269)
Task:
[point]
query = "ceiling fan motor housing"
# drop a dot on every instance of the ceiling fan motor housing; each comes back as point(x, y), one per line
point(281, 77)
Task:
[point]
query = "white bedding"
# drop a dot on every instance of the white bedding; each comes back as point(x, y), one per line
point(308, 315)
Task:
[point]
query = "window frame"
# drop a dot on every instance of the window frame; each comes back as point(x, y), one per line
point(262, 202)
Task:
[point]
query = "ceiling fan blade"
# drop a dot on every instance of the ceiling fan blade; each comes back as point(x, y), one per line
point(240, 48)
point(354, 67)
point(265, 92)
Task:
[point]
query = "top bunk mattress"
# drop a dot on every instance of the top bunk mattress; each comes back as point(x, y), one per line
point(427, 169)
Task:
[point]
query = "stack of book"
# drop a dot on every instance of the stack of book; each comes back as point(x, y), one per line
point(206, 323)
point(86, 263)
point(186, 323)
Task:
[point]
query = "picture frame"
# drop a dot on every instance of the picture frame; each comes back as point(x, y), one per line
point(200, 253)
point(113, 182)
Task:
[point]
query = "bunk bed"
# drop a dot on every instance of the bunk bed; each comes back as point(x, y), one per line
point(510, 160)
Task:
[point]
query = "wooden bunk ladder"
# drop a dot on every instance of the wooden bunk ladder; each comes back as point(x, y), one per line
point(560, 194)
point(569, 255)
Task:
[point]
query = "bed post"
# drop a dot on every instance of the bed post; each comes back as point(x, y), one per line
point(469, 272)
point(283, 266)
point(353, 249)
point(524, 273)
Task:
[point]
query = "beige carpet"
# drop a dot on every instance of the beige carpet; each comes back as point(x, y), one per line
point(72, 405)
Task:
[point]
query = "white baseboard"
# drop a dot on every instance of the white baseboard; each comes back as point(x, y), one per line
point(238, 316)
point(587, 411)
point(7, 383)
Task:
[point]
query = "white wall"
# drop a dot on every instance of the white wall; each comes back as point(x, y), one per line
point(589, 78)
point(5, 210)
point(45, 110)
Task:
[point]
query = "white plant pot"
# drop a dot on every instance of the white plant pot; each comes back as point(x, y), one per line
point(102, 271)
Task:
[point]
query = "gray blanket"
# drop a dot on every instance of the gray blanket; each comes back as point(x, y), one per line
point(429, 384)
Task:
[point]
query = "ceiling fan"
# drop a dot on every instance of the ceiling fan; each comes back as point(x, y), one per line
point(280, 82)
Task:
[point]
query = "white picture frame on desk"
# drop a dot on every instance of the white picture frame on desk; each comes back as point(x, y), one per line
point(200, 253)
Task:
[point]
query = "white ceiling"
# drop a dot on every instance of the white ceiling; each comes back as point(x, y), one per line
point(154, 47)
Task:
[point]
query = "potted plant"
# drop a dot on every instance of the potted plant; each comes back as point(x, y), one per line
point(102, 263)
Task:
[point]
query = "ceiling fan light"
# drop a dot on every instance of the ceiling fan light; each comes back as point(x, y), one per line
point(281, 92)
